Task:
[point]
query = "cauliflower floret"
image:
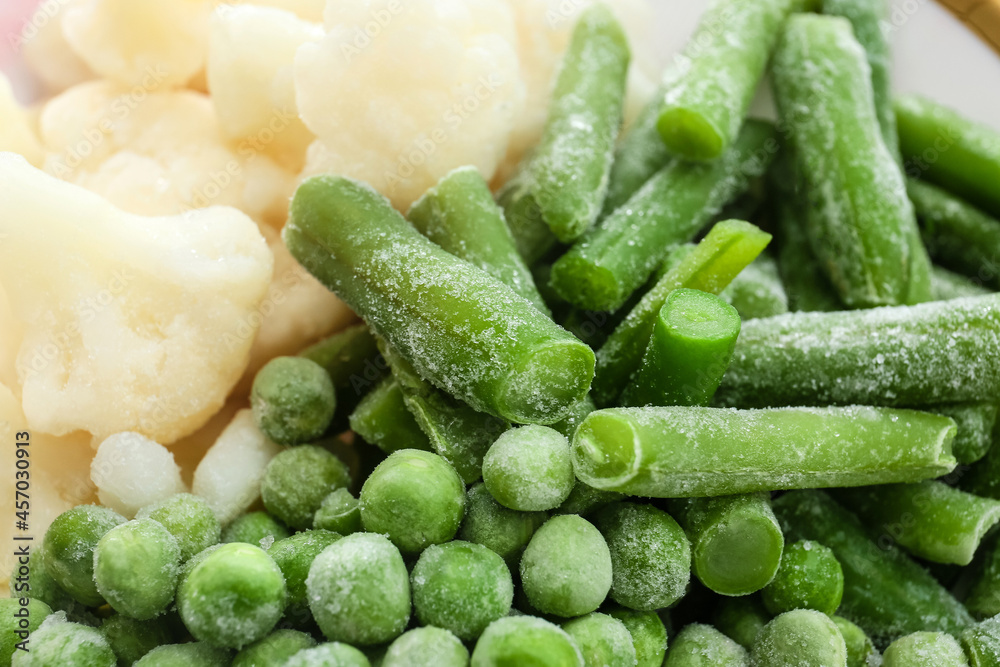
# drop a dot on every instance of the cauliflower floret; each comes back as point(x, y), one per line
point(47, 53)
point(131, 471)
point(400, 92)
point(151, 43)
point(158, 153)
point(307, 10)
point(130, 323)
point(250, 57)
point(10, 341)
point(16, 133)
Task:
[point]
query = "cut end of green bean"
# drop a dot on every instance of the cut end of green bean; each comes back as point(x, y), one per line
point(689, 133)
point(606, 451)
point(548, 383)
point(716, 554)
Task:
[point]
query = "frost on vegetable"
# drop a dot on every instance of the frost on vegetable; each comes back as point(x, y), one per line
point(457, 108)
point(139, 328)
point(131, 471)
point(16, 132)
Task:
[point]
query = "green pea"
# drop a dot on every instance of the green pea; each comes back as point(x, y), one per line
point(59, 643)
point(297, 480)
point(584, 500)
point(699, 645)
point(461, 587)
point(860, 649)
point(18, 622)
point(189, 519)
point(196, 654)
point(649, 635)
point(136, 566)
point(32, 580)
point(256, 528)
point(295, 555)
point(604, 641)
point(68, 549)
point(799, 637)
point(338, 512)
point(566, 568)
point(925, 648)
point(529, 469)
point(525, 640)
point(293, 400)
point(741, 618)
point(131, 638)
point(274, 649)
point(332, 654)
point(504, 531)
point(415, 498)
point(359, 590)
point(809, 577)
point(423, 647)
point(232, 596)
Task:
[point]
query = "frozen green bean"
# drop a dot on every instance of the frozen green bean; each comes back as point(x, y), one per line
point(948, 285)
point(699, 645)
point(274, 649)
point(798, 638)
point(426, 646)
point(189, 519)
point(504, 531)
point(293, 400)
point(741, 618)
point(585, 500)
point(649, 452)
point(603, 269)
point(257, 528)
point(572, 421)
point(860, 649)
point(756, 291)
point(692, 342)
point(603, 640)
point(810, 577)
point(339, 512)
point(525, 640)
point(885, 593)
point(529, 469)
point(462, 329)
point(297, 480)
point(982, 643)
point(938, 352)
point(649, 635)
point(982, 597)
point(924, 648)
point(68, 549)
point(383, 419)
point(136, 565)
point(736, 543)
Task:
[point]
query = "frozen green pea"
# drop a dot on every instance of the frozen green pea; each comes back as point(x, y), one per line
point(59, 643)
point(415, 498)
point(861, 651)
point(359, 590)
point(195, 654)
point(331, 654)
point(295, 555)
point(699, 645)
point(383, 419)
point(18, 622)
point(810, 577)
point(68, 549)
point(525, 640)
point(584, 500)
point(741, 618)
point(921, 649)
point(131, 638)
point(566, 567)
point(649, 635)
point(274, 649)
point(32, 580)
point(529, 469)
point(461, 587)
point(799, 638)
point(982, 643)
point(338, 512)
point(650, 555)
point(257, 528)
point(189, 519)
point(233, 596)
point(293, 400)
point(426, 647)
point(603, 640)
point(297, 480)
point(136, 566)
point(502, 530)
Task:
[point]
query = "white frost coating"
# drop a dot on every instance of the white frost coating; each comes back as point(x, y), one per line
point(399, 127)
point(128, 321)
point(250, 61)
point(228, 478)
point(158, 153)
point(16, 133)
point(132, 471)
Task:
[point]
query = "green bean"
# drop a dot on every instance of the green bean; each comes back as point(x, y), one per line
point(294, 556)
point(947, 285)
point(19, 618)
point(331, 653)
point(797, 638)
point(983, 477)
point(649, 635)
point(713, 82)
point(426, 646)
point(293, 400)
point(912, 356)
point(462, 329)
point(459, 215)
point(189, 519)
point(810, 577)
point(533, 238)
point(584, 500)
point(608, 264)
point(572, 421)
point(860, 223)
point(59, 642)
point(710, 266)
point(700, 645)
point(692, 342)
point(983, 596)
point(567, 175)
point(566, 568)
point(650, 555)
point(504, 531)
point(603, 640)
point(297, 480)
point(649, 452)
point(274, 649)
point(741, 618)
point(756, 291)
point(383, 419)
point(461, 587)
point(256, 528)
point(958, 235)
point(529, 469)
point(860, 649)
point(136, 565)
point(931, 520)
point(131, 638)
point(924, 648)
point(736, 543)
point(68, 550)
point(194, 654)
point(885, 593)
point(982, 643)
point(525, 640)
point(340, 513)
point(958, 154)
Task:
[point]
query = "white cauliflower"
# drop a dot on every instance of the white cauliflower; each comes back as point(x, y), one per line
point(400, 92)
point(307, 10)
point(250, 73)
point(132, 471)
point(157, 153)
point(16, 133)
point(130, 323)
point(47, 53)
